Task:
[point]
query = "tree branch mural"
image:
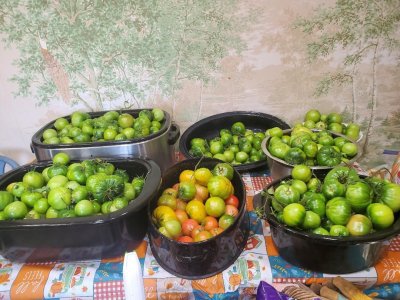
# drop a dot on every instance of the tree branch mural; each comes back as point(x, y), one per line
point(363, 30)
point(99, 53)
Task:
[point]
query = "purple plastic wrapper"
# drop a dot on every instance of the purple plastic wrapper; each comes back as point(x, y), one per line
point(268, 292)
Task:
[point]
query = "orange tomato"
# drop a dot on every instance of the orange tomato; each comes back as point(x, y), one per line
point(181, 215)
point(209, 223)
point(180, 204)
point(231, 210)
point(216, 231)
point(202, 236)
point(201, 192)
point(196, 230)
point(185, 239)
point(188, 226)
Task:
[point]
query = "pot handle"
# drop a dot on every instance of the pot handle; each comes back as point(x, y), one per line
point(173, 134)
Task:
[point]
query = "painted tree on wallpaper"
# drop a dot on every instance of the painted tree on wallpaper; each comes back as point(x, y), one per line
point(365, 30)
point(99, 52)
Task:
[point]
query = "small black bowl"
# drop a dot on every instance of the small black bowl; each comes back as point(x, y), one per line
point(199, 259)
point(80, 238)
point(320, 253)
point(210, 127)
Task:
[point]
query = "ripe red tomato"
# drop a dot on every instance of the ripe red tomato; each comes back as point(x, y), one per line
point(188, 226)
point(232, 200)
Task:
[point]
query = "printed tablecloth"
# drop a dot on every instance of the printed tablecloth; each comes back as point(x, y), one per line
point(259, 261)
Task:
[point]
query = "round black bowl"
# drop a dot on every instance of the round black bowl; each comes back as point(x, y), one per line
point(280, 168)
point(210, 127)
point(80, 238)
point(325, 254)
point(199, 259)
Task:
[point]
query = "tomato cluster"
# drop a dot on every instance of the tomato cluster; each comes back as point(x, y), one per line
point(332, 121)
point(111, 126)
point(313, 148)
point(236, 146)
point(65, 189)
point(339, 204)
point(201, 205)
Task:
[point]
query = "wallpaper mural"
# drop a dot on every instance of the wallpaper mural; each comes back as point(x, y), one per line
point(198, 58)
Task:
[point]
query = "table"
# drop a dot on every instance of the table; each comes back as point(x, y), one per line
point(259, 261)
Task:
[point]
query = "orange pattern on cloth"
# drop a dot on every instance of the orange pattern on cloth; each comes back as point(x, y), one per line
point(211, 285)
point(388, 268)
point(31, 280)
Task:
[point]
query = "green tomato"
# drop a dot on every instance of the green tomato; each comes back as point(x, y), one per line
point(84, 208)
point(15, 210)
point(275, 131)
point(295, 156)
point(311, 220)
point(333, 188)
point(380, 215)
point(286, 194)
point(338, 210)
point(5, 199)
point(278, 149)
point(186, 190)
point(223, 169)
point(59, 198)
point(339, 230)
point(238, 128)
point(315, 202)
point(328, 156)
point(158, 114)
point(320, 231)
point(299, 185)
point(294, 215)
point(359, 196)
point(312, 115)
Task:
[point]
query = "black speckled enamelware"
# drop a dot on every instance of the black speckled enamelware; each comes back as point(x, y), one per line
point(80, 238)
point(325, 254)
point(210, 127)
point(199, 259)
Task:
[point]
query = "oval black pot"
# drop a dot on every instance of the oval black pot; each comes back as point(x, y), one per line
point(209, 128)
point(80, 238)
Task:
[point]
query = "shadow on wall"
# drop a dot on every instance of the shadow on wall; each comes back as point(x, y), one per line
point(21, 156)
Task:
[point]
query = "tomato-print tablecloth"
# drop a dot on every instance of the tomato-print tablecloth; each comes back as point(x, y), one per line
point(259, 261)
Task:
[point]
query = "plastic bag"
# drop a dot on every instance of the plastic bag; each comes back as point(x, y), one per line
point(268, 292)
